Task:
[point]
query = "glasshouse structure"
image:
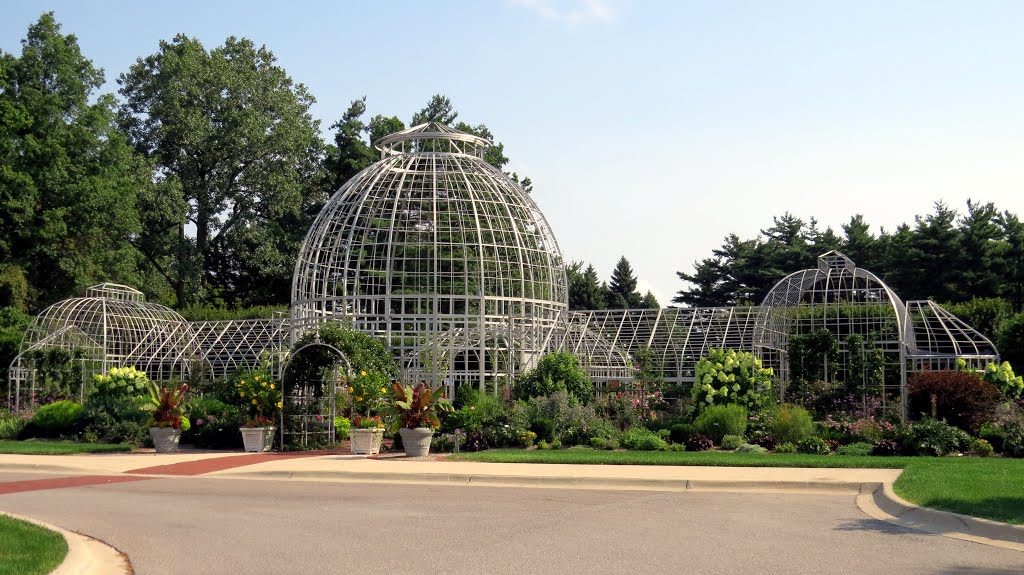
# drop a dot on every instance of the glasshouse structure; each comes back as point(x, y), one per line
point(450, 263)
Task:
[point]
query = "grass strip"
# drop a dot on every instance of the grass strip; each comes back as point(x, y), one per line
point(63, 447)
point(27, 549)
point(992, 488)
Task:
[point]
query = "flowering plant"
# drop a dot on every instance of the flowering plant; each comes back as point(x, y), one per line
point(728, 376)
point(367, 390)
point(367, 422)
point(260, 395)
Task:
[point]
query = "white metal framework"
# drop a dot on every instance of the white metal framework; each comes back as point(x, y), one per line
point(438, 253)
point(112, 326)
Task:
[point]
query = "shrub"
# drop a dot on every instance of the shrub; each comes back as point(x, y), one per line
point(560, 371)
point(717, 421)
point(526, 438)
point(994, 435)
point(1001, 375)
point(214, 424)
point(732, 442)
point(961, 398)
point(982, 448)
point(698, 442)
point(932, 437)
point(341, 427)
point(748, 448)
point(886, 448)
point(728, 376)
point(56, 419)
point(763, 439)
point(859, 448)
point(640, 439)
point(11, 425)
point(815, 446)
point(785, 447)
point(598, 443)
point(792, 424)
point(680, 432)
point(543, 444)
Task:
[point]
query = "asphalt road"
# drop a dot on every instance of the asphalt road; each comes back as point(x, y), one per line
point(221, 526)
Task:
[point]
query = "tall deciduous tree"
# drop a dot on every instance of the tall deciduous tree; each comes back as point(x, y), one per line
point(68, 179)
point(238, 157)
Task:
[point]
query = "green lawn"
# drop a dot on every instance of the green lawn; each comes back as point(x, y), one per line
point(992, 488)
point(27, 549)
point(43, 447)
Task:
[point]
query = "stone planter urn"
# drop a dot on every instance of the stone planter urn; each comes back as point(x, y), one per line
point(365, 441)
point(165, 439)
point(257, 439)
point(416, 441)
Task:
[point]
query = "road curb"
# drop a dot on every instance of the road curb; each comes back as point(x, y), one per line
point(884, 504)
point(86, 556)
point(563, 482)
point(44, 468)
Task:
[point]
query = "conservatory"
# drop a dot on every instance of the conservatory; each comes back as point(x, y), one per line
point(452, 264)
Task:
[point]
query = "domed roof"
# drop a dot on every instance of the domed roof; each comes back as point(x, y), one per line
point(431, 218)
point(113, 326)
point(431, 246)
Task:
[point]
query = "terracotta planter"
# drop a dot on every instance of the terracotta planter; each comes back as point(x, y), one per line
point(257, 439)
point(366, 441)
point(416, 441)
point(165, 439)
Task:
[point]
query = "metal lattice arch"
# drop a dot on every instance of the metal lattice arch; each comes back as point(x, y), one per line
point(851, 301)
point(111, 326)
point(441, 255)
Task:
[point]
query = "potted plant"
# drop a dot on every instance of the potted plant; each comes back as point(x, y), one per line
point(417, 408)
point(168, 418)
point(367, 394)
point(262, 399)
point(366, 434)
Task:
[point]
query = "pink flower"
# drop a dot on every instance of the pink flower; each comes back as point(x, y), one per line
point(200, 421)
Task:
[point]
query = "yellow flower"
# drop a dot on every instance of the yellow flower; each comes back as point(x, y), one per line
point(242, 382)
point(362, 373)
point(256, 378)
point(358, 398)
point(383, 390)
point(280, 405)
point(241, 394)
point(271, 386)
point(254, 402)
point(264, 384)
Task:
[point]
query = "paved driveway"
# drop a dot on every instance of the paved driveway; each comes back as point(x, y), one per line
point(224, 526)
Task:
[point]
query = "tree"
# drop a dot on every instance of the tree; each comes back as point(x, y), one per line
point(237, 155)
point(1012, 259)
point(858, 242)
point(622, 292)
point(649, 301)
point(585, 293)
point(710, 285)
point(68, 179)
point(977, 261)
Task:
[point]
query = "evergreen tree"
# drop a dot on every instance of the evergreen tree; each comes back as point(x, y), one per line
point(622, 292)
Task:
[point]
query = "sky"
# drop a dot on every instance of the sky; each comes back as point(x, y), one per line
point(652, 129)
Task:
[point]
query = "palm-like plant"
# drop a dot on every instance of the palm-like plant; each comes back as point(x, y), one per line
point(166, 406)
point(418, 406)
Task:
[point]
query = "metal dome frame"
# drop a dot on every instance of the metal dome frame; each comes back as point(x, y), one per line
point(430, 246)
point(115, 327)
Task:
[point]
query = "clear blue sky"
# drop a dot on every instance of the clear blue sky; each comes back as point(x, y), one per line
point(653, 129)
